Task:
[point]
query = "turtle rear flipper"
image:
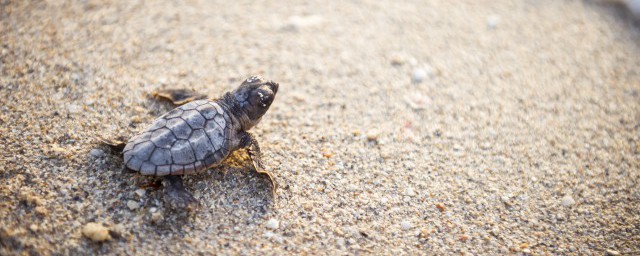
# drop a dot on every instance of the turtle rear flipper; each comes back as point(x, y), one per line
point(116, 144)
point(178, 96)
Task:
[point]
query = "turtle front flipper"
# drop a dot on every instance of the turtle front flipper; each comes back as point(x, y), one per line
point(253, 149)
point(176, 195)
point(178, 97)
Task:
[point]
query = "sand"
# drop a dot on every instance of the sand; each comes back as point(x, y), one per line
point(400, 127)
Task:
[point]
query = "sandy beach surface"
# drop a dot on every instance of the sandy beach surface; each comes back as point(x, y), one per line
point(400, 127)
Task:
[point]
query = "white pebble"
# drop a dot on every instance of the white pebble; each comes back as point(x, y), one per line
point(140, 192)
point(419, 74)
point(297, 22)
point(269, 234)
point(406, 225)
point(73, 109)
point(96, 152)
point(568, 200)
point(492, 21)
point(409, 192)
point(273, 224)
point(133, 205)
point(157, 216)
point(612, 252)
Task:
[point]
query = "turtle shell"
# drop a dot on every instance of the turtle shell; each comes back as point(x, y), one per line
point(187, 139)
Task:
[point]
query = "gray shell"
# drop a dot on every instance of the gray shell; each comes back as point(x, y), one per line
point(187, 139)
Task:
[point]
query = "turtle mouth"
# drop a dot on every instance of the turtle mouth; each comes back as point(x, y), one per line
point(273, 86)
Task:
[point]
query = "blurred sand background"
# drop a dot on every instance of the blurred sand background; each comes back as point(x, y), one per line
point(400, 127)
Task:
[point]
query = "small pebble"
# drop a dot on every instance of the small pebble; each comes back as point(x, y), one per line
point(269, 234)
point(96, 153)
point(73, 109)
point(140, 192)
point(75, 76)
point(419, 74)
point(96, 232)
point(30, 198)
point(139, 109)
point(136, 119)
point(492, 21)
point(118, 230)
point(417, 101)
point(373, 135)
point(273, 224)
point(275, 237)
point(409, 192)
point(42, 210)
point(568, 201)
point(612, 252)
point(157, 216)
point(297, 22)
point(133, 205)
point(397, 61)
point(406, 225)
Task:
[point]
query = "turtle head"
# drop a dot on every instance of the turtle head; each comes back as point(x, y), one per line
point(253, 98)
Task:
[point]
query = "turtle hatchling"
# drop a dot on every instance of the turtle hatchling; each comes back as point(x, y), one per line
point(199, 135)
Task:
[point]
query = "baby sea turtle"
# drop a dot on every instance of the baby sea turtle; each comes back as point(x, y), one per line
point(199, 135)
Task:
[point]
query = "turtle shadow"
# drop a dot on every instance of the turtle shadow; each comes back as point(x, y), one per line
point(233, 185)
point(222, 193)
point(230, 188)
